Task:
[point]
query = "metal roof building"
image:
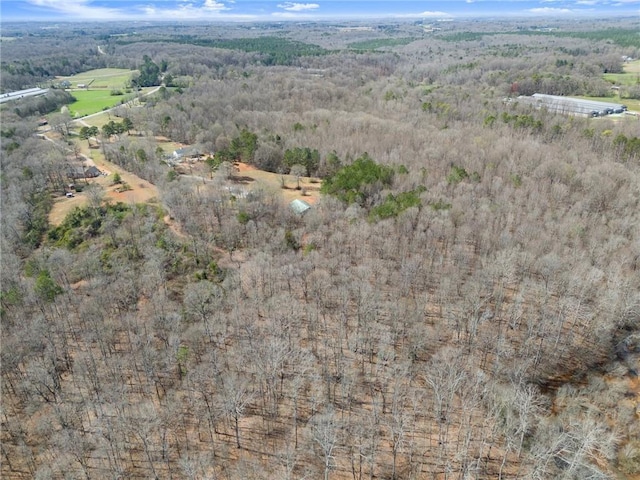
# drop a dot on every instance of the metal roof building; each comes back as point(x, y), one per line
point(299, 206)
point(29, 92)
point(573, 106)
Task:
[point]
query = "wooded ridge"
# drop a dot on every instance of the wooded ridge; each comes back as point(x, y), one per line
point(461, 299)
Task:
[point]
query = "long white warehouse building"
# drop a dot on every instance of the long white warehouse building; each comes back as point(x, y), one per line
point(30, 92)
point(573, 106)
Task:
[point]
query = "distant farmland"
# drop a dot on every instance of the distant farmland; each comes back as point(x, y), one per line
point(98, 86)
point(102, 78)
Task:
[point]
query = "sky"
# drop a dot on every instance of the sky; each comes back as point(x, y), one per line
point(250, 10)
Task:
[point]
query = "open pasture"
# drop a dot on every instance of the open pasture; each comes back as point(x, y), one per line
point(93, 101)
point(631, 75)
point(101, 78)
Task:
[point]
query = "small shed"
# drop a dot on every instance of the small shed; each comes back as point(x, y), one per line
point(299, 206)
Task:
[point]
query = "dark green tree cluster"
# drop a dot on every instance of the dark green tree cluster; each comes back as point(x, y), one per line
point(37, 221)
point(87, 132)
point(46, 287)
point(309, 159)
point(149, 74)
point(241, 149)
point(116, 128)
point(394, 205)
point(377, 43)
point(523, 122)
point(458, 174)
point(620, 36)
point(357, 182)
point(84, 223)
point(629, 147)
point(10, 145)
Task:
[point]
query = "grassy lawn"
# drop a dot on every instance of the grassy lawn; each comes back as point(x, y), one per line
point(631, 75)
point(107, 78)
point(98, 120)
point(623, 78)
point(93, 101)
point(632, 67)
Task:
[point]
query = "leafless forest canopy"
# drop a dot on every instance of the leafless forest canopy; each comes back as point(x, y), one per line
point(473, 315)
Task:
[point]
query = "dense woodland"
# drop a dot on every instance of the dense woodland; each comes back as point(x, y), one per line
point(462, 303)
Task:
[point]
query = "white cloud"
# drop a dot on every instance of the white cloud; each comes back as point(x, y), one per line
point(427, 14)
point(149, 10)
point(434, 14)
point(298, 7)
point(549, 11)
point(80, 9)
point(213, 5)
point(233, 10)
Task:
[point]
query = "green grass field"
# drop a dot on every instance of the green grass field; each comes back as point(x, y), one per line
point(631, 75)
point(93, 101)
point(632, 67)
point(623, 78)
point(102, 78)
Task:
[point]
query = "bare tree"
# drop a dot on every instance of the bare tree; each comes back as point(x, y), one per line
point(237, 394)
point(324, 430)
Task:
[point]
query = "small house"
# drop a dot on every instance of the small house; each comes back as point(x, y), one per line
point(185, 152)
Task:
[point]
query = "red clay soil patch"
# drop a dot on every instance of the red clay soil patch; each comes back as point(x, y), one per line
point(243, 167)
point(173, 226)
point(274, 180)
point(141, 192)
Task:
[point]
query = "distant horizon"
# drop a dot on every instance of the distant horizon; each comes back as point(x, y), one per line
point(318, 10)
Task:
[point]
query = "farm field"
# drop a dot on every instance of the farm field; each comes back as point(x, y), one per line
point(97, 96)
point(105, 78)
point(93, 101)
point(631, 75)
